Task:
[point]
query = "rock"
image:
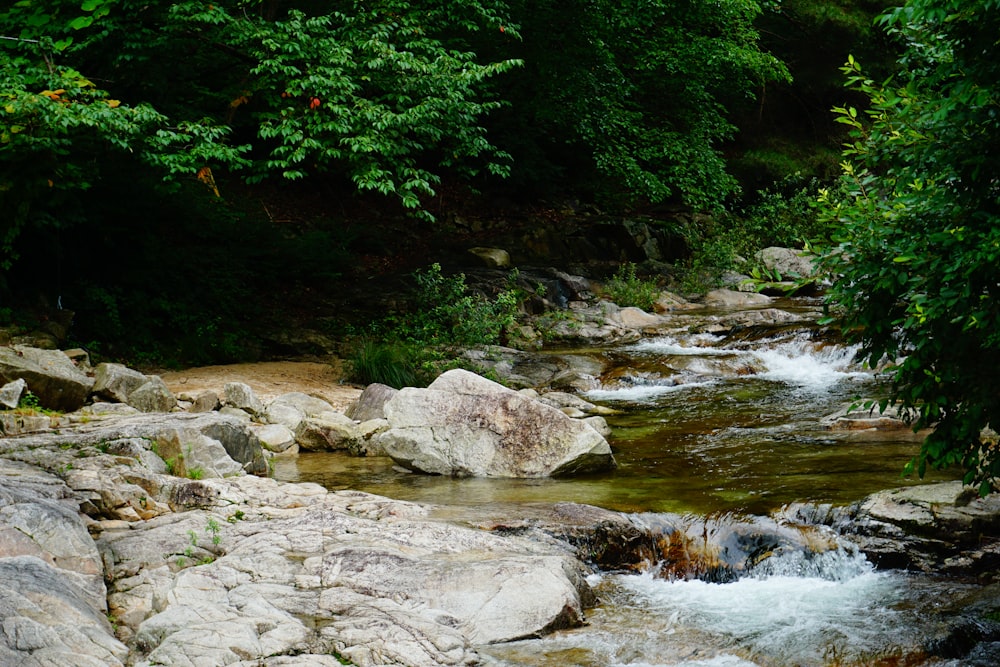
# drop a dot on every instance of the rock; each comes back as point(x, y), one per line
point(239, 395)
point(49, 374)
point(463, 424)
point(206, 401)
point(48, 621)
point(275, 437)
point(116, 382)
point(236, 413)
point(726, 298)
point(636, 318)
point(494, 258)
point(190, 453)
point(52, 593)
point(153, 396)
point(328, 432)
point(238, 440)
point(669, 302)
point(788, 262)
point(859, 418)
point(371, 403)
point(291, 408)
point(10, 393)
point(349, 574)
point(599, 424)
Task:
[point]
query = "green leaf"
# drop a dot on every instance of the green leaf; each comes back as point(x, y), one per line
point(81, 22)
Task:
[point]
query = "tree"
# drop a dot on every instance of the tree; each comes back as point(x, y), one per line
point(918, 253)
point(631, 99)
point(386, 94)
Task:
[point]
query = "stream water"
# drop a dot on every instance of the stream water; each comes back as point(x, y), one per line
point(710, 426)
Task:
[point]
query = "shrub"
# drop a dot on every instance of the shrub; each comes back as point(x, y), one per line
point(392, 364)
point(627, 289)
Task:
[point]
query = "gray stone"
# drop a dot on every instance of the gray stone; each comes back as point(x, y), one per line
point(206, 401)
point(726, 298)
point(328, 432)
point(240, 395)
point(371, 402)
point(49, 374)
point(116, 382)
point(236, 413)
point(275, 437)
point(291, 408)
point(789, 262)
point(153, 396)
point(636, 318)
point(52, 593)
point(10, 393)
point(463, 424)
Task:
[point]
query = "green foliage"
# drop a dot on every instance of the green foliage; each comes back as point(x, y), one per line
point(918, 207)
point(386, 95)
point(58, 129)
point(625, 288)
point(29, 401)
point(411, 348)
point(446, 313)
point(389, 363)
point(784, 215)
point(633, 96)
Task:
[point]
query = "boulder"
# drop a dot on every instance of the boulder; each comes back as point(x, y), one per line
point(494, 258)
point(52, 592)
point(329, 431)
point(466, 425)
point(371, 402)
point(727, 298)
point(153, 396)
point(205, 401)
point(637, 318)
point(239, 395)
point(275, 437)
point(10, 393)
point(49, 374)
point(235, 437)
point(116, 382)
point(291, 408)
point(787, 261)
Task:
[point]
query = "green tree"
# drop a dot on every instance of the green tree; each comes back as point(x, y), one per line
point(918, 255)
point(386, 94)
point(632, 99)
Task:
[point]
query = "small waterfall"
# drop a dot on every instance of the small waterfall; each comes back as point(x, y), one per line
point(659, 366)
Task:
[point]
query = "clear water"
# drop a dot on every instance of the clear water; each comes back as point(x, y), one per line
point(837, 611)
point(704, 426)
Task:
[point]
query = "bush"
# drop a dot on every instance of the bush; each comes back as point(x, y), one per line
point(626, 289)
point(410, 349)
point(386, 363)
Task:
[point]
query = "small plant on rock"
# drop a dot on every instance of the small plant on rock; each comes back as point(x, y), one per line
point(627, 289)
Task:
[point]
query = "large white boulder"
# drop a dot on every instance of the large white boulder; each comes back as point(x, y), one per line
point(466, 425)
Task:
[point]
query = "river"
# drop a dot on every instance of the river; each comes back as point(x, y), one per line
point(730, 428)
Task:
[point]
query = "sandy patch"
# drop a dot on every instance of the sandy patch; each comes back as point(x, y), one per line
point(268, 380)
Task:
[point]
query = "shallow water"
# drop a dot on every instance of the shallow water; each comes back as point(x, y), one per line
point(711, 426)
point(703, 425)
point(840, 612)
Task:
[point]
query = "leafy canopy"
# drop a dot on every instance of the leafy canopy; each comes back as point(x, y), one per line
point(634, 96)
point(386, 94)
point(918, 254)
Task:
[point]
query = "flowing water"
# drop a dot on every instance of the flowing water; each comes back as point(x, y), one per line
point(708, 426)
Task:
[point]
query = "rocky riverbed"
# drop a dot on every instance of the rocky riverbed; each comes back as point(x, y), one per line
point(139, 526)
